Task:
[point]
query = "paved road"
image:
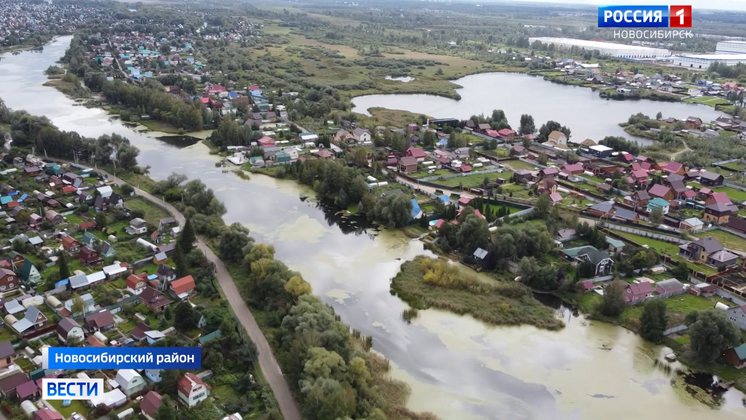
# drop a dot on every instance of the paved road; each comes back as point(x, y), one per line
point(267, 362)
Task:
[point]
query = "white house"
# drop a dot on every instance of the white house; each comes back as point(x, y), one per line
point(137, 226)
point(192, 390)
point(130, 382)
point(89, 304)
point(105, 191)
point(153, 375)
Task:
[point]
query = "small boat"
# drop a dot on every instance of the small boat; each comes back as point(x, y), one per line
point(670, 357)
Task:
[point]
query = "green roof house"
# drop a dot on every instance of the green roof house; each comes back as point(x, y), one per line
point(589, 254)
point(282, 157)
point(209, 337)
point(29, 272)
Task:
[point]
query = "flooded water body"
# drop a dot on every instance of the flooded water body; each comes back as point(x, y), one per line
point(457, 367)
point(580, 109)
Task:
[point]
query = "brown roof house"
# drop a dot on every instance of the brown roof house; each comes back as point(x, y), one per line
point(70, 245)
point(700, 249)
point(8, 280)
point(69, 328)
point(88, 256)
point(408, 164)
point(7, 354)
point(150, 403)
point(154, 300)
point(100, 321)
point(638, 293)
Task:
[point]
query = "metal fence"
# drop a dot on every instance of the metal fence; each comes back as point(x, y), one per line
point(448, 176)
point(675, 330)
point(646, 233)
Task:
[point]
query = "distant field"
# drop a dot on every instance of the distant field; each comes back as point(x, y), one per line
point(707, 100)
point(518, 165)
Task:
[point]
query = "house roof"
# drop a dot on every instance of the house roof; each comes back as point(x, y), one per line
point(641, 288)
point(150, 403)
point(47, 414)
point(720, 207)
point(642, 195)
point(659, 202)
point(139, 331)
point(27, 389)
point(408, 161)
point(603, 207)
point(624, 214)
point(737, 223)
point(555, 197)
point(188, 382)
point(556, 135)
point(694, 222)
point(6, 349)
point(709, 244)
point(659, 190)
point(183, 285)
point(78, 280)
point(480, 253)
point(8, 384)
point(100, 319)
point(723, 256)
point(616, 243)
point(593, 254)
point(125, 377)
point(741, 351)
point(721, 198)
point(66, 325)
point(669, 285)
point(416, 152)
point(673, 166)
point(712, 176)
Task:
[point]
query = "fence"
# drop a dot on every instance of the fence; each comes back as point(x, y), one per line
point(449, 176)
point(646, 233)
point(601, 279)
point(734, 186)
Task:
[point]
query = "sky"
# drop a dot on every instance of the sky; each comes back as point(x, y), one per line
point(739, 5)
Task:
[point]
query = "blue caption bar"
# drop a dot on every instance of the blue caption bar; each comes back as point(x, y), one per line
point(633, 16)
point(124, 358)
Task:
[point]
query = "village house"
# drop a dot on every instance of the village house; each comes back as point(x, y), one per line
point(668, 288)
point(710, 179)
point(137, 226)
point(603, 209)
point(7, 354)
point(33, 320)
point(166, 273)
point(658, 203)
point(408, 165)
point(183, 287)
point(416, 153)
point(737, 314)
point(150, 404)
point(557, 137)
point(600, 260)
point(136, 283)
point(54, 217)
point(47, 414)
point(693, 123)
point(638, 292)
point(700, 249)
point(8, 280)
point(691, 224)
point(192, 390)
point(661, 191)
point(70, 245)
point(88, 256)
point(100, 321)
point(154, 300)
point(360, 136)
point(718, 213)
point(69, 328)
point(130, 382)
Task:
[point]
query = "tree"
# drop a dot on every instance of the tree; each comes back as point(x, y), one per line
point(180, 262)
point(543, 205)
point(613, 302)
point(710, 333)
point(656, 216)
point(653, 320)
point(166, 411)
point(62, 264)
point(473, 233)
point(185, 318)
point(127, 189)
point(297, 287)
point(360, 157)
point(101, 219)
point(232, 244)
point(187, 238)
point(659, 116)
point(527, 125)
point(542, 159)
point(78, 305)
point(394, 210)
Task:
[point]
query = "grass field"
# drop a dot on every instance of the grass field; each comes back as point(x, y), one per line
point(728, 240)
point(733, 194)
point(76, 406)
point(518, 165)
point(392, 117)
point(152, 212)
point(707, 100)
point(472, 181)
point(682, 304)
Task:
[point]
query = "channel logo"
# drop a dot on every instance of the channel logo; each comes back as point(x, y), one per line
point(71, 388)
point(644, 16)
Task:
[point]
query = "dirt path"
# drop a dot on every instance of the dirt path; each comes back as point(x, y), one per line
point(686, 149)
point(267, 362)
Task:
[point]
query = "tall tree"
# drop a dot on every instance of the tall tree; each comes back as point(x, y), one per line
point(187, 237)
point(653, 321)
point(166, 411)
point(63, 268)
point(711, 333)
point(613, 303)
point(527, 124)
point(180, 262)
point(656, 216)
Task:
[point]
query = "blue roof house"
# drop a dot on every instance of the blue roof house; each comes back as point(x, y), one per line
point(658, 202)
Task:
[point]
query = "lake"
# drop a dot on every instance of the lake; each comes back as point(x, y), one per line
point(457, 367)
point(579, 108)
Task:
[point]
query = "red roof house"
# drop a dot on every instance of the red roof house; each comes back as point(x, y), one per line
point(506, 132)
point(491, 133)
point(182, 287)
point(266, 141)
point(661, 191)
point(416, 153)
point(638, 292)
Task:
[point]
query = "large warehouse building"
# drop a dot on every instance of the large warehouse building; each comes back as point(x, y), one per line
point(605, 48)
point(703, 61)
point(731, 47)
